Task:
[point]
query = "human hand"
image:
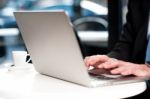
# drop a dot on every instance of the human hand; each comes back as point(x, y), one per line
point(95, 60)
point(126, 68)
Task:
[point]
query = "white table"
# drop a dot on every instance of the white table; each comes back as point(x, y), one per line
point(28, 84)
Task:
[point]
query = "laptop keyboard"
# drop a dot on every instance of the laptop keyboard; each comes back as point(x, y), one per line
point(102, 77)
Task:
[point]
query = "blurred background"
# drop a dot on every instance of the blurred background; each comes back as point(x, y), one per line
point(98, 23)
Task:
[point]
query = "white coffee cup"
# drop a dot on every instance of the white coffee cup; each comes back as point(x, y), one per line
point(19, 58)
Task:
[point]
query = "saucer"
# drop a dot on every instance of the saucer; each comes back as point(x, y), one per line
point(21, 67)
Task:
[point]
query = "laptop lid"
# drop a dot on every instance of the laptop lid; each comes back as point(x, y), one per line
point(52, 44)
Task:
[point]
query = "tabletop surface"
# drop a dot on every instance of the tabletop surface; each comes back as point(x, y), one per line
point(26, 83)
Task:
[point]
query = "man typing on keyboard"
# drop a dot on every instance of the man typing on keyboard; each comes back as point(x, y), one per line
point(131, 54)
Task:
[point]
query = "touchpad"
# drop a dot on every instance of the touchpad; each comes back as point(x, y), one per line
point(104, 72)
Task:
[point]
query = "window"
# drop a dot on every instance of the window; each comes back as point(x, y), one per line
point(79, 11)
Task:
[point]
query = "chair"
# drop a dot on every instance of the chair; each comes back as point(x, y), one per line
point(92, 25)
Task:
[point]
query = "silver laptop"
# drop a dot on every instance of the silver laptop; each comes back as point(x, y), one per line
point(54, 49)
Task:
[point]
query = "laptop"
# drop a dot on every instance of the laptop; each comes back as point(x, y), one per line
point(55, 51)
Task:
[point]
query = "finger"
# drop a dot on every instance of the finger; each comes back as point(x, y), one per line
point(86, 61)
point(103, 58)
point(96, 59)
point(109, 64)
point(125, 73)
point(118, 70)
point(90, 60)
